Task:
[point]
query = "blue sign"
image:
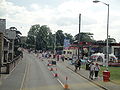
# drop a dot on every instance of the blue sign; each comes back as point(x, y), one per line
point(66, 43)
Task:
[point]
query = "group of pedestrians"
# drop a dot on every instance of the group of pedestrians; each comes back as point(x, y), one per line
point(94, 70)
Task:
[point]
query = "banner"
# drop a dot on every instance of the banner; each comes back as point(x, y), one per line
point(66, 43)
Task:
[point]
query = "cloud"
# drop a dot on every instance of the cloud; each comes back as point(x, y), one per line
point(64, 16)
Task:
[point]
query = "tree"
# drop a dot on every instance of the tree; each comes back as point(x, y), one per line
point(43, 37)
point(59, 38)
point(31, 38)
point(40, 37)
point(17, 41)
point(51, 41)
point(85, 37)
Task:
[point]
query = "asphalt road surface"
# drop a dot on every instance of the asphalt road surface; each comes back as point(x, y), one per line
point(33, 74)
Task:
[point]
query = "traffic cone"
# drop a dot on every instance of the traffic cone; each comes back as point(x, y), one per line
point(66, 85)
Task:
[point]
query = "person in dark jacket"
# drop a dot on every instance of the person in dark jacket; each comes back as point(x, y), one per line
point(77, 65)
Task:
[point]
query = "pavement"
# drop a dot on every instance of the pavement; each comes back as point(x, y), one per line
point(13, 80)
point(99, 82)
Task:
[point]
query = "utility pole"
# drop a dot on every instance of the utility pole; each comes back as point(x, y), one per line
point(79, 37)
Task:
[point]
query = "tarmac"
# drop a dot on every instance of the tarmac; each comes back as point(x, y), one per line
point(85, 74)
point(99, 82)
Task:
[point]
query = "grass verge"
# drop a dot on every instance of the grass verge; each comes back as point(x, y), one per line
point(114, 73)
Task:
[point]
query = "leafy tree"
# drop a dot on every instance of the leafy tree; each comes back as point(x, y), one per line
point(17, 40)
point(40, 37)
point(59, 38)
point(51, 40)
point(85, 37)
point(31, 38)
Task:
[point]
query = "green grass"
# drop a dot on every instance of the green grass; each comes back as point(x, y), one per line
point(114, 73)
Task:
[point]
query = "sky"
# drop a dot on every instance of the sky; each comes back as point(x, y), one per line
point(63, 15)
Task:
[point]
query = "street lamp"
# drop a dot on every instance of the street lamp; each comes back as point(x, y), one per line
point(35, 42)
point(107, 53)
point(55, 43)
point(79, 37)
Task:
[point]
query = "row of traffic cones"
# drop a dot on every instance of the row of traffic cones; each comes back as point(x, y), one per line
point(66, 86)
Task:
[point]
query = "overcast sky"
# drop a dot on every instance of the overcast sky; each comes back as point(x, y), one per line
point(63, 15)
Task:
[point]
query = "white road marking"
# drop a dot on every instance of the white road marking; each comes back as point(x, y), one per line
point(60, 83)
point(23, 80)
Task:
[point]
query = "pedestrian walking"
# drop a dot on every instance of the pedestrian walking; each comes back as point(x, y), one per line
point(92, 68)
point(97, 68)
point(77, 65)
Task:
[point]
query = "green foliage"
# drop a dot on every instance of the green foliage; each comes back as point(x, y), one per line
point(40, 37)
point(114, 73)
point(17, 41)
point(85, 37)
point(60, 38)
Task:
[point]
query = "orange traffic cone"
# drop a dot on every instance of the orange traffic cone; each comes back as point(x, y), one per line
point(66, 86)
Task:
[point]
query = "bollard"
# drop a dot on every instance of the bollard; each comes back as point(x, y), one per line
point(106, 76)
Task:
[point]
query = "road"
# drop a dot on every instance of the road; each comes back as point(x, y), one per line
point(34, 74)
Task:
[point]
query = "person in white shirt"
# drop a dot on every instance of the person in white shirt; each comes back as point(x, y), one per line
point(97, 68)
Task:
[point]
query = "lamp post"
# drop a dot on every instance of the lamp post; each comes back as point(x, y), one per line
point(55, 43)
point(35, 43)
point(107, 52)
point(79, 37)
